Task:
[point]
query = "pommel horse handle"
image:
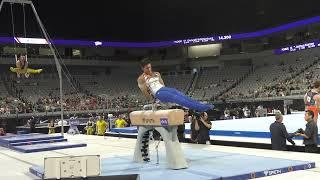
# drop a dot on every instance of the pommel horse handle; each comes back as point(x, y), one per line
point(153, 106)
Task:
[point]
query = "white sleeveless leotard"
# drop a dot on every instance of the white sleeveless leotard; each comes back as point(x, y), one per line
point(153, 83)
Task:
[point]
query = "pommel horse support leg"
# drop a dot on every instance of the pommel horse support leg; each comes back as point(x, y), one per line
point(166, 123)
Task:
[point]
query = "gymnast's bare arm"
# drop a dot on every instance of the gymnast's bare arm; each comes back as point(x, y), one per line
point(161, 80)
point(27, 64)
point(143, 87)
point(18, 64)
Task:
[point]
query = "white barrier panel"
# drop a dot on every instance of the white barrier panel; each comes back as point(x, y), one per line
point(71, 166)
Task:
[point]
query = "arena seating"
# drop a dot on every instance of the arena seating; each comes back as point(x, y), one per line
point(179, 82)
point(301, 83)
point(272, 79)
point(114, 90)
point(113, 85)
point(214, 81)
point(42, 85)
point(281, 75)
point(3, 90)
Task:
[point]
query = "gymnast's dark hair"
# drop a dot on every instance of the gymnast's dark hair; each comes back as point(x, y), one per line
point(202, 114)
point(19, 55)
point(144, 62)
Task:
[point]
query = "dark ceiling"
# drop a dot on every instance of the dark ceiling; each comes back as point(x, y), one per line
point(154, 20)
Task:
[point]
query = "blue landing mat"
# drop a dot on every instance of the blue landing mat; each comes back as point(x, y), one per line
point(46, 147)
point(11, 135)
point(132, 129)
point(38, 142)
point(31, 137)
point(203, 165)
point(254, 134)
point(236, 133)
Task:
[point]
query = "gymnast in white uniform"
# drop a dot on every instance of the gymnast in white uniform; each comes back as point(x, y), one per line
point(152, 86)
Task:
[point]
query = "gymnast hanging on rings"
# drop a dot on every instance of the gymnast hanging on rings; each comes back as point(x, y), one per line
point(22, 64)
point(152, 86)
point(22, 67)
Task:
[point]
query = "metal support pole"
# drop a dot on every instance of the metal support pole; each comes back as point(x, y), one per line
point(157, 149)
point(1, 5)
point(56, 61)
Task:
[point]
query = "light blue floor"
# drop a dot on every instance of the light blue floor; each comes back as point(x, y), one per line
point(203, 165)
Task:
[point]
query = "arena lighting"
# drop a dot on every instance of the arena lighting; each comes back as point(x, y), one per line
point(297, 47)
point(97, 43)
point(206, 50)
point(189, 41)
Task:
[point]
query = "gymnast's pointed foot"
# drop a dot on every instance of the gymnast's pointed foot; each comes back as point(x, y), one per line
point(208, 107)
point(38, 71)
point(211, 106)
point(12, 69)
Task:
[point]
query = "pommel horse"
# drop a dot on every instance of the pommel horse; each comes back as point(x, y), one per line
point(166, 123)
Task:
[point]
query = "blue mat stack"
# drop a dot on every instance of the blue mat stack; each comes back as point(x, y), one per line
point(128, 130)
point(29, 143)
